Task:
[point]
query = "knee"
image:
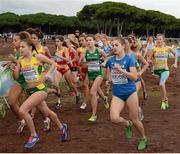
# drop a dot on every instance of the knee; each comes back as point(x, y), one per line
point(116, 119)
point(93, 92)
point(162, 84)
point(22, 112)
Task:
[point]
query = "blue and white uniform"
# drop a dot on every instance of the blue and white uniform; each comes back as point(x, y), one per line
point(122, 86)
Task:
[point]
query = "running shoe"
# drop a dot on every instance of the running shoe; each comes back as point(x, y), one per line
point(93, 118)
point(31, 141)
point(63, 131)
point(22, 123)
point(142, 144)
point(145, 95)
point(47, 124)
point(106, 103)
point(167, 104)
point(164, 105)
point(140, 114)
point(58, 104)
point(78, 96)
point(129, 130)
point(83, 106)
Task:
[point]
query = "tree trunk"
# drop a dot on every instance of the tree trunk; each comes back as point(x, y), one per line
point(105, 28)
point(49, 29)
point(121, 27)
point(98, 29)
point(110, 28)
point(153, 31)
point(147, 31)
point(164, 32)
point(117, 26)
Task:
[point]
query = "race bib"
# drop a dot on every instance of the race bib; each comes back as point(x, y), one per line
point(118, 78)
point(161, 56)
point(56, 58)
point(93, 66)
point(30, 74)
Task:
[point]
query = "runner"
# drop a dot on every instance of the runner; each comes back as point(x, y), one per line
point(139, 59)
point(62, 59)
point(83, 70)
point(31, 67)
point(159, 59)
point(95, 74)
point(73, 55)
point(136, 46)
point(121, 72)
point(36, 37)
point(20, 83)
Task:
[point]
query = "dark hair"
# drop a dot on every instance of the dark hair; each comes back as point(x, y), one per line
point(130, 40)
point(60, 37)
point(37, 32)
point(23, 35)
point(30, 30)
point(29, 43)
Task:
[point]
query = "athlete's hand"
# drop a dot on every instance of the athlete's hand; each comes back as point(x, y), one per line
point(108, 82)
point(14, 67)
point(174, 65)
point(46, 77)
point(139, 74)
point(117, 66)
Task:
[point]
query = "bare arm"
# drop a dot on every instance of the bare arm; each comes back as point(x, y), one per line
point(103, 53)
point(45, 59)
point(131, 75)
point(47, 51)
point(146, 64)
point(175, 56)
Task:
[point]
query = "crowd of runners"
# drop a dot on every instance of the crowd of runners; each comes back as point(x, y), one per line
point(92, 60)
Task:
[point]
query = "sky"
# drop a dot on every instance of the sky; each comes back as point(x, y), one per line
point(71, 7)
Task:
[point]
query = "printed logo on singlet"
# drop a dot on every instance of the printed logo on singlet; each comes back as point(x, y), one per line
point(161, 56)
point(56, 58)
point(118, 77)
point(30, 73)
point(93, 66)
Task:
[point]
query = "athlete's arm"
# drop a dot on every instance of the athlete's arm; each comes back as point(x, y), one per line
point(146, 64)
point(16, 70)
point(103, 53)
point(45, 59)
point(175, 56)
point(47, 51)
point(131, 75)
point(150, 57)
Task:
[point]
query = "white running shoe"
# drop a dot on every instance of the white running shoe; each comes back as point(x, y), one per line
point(83, 106)
point(22, 123)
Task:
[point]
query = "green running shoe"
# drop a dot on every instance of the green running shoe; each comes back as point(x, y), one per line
point(142, 144)
point(93, 118)
point(163, 105)
point(106, 103)
point(167, 104)
point(129, 130)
